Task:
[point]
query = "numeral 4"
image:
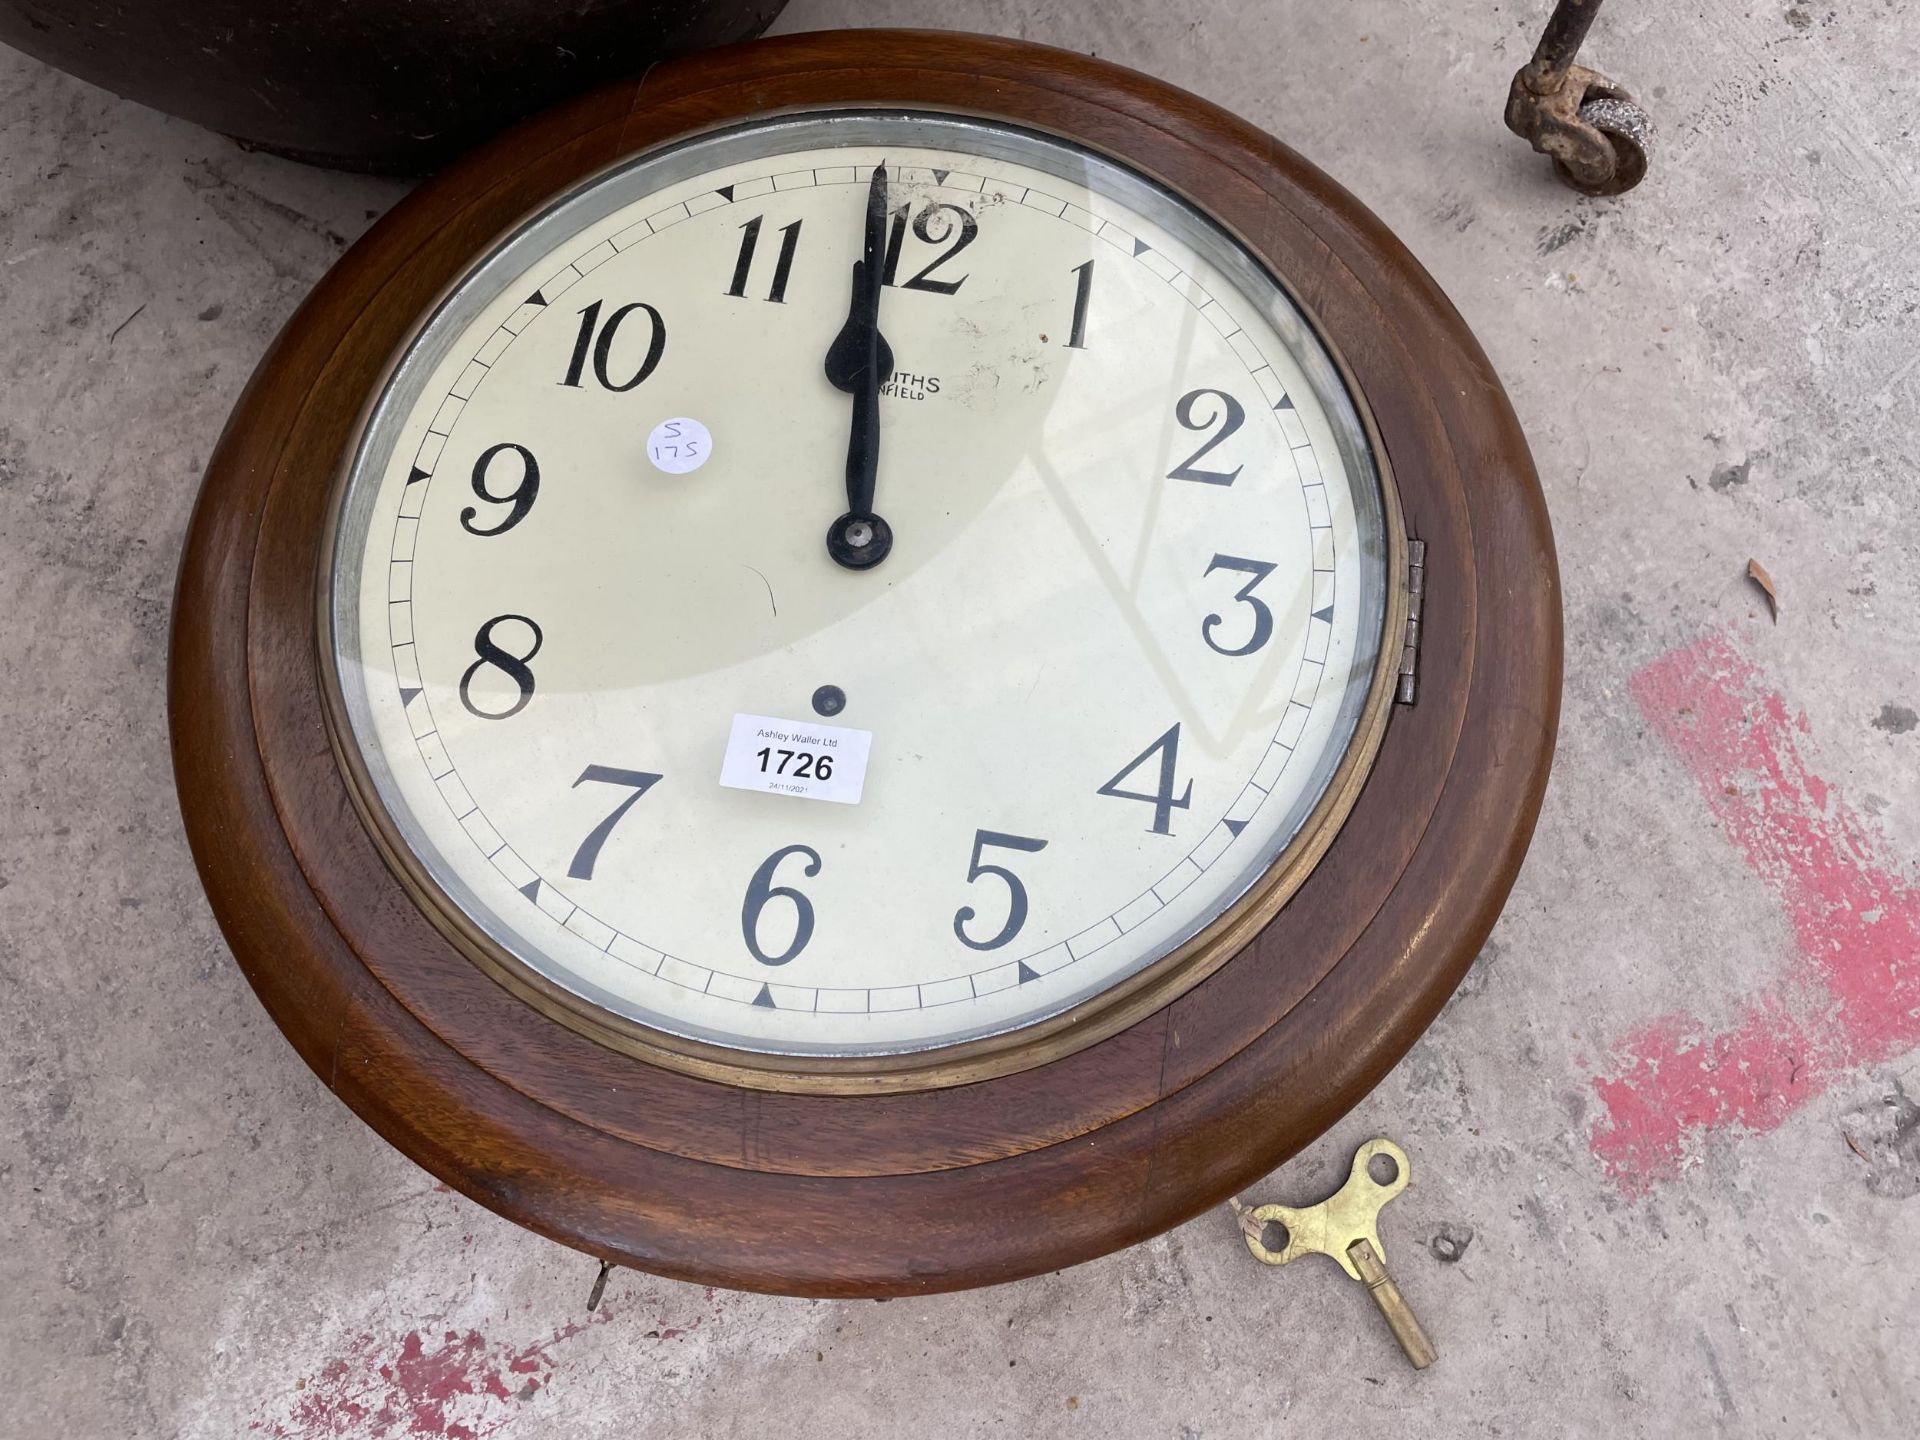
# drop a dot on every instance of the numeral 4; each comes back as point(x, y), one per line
point(1163, 800)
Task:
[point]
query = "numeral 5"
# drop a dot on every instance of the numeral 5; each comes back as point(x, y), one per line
point(1016, 892)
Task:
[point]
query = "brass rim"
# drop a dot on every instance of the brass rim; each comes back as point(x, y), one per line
point(1040, 1042)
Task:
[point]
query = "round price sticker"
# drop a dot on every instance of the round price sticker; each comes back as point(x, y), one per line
point(679, 445)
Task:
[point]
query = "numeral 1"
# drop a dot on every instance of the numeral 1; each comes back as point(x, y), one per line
point(782, 265)
point(1083, 292)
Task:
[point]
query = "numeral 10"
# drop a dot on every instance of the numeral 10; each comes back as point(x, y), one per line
point(603, 349)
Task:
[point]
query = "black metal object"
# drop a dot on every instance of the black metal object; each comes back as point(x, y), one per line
point(1595, 133)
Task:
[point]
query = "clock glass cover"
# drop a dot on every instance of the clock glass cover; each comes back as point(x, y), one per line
point(1112, 675)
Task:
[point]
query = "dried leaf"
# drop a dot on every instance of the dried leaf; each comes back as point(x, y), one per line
point(1854, 1145)
point(1757, 573)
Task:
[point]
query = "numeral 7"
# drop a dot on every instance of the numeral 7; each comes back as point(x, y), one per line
point(589, 851)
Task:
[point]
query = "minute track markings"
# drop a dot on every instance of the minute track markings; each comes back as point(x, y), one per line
point(1024, 971)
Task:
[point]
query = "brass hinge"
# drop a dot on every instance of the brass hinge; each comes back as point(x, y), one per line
point(1410, 650)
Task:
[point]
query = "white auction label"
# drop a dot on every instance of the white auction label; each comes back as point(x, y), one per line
point(679, 445)
point(796, 757)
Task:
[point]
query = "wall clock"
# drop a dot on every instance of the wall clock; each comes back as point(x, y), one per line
point(794, 675)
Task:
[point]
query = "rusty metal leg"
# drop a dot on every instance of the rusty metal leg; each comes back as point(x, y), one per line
point(1560, 42)
point(1594, 132)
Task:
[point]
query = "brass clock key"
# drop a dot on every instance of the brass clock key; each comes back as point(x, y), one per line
point(1345, 1226)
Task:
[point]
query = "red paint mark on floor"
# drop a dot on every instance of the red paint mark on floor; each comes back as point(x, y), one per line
point(456, 1385)
point(1851, 993)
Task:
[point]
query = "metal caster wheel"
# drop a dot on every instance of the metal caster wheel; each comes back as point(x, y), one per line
point(1591, 129)
point(1629, 131)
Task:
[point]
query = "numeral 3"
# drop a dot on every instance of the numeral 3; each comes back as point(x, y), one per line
point(1262, 616)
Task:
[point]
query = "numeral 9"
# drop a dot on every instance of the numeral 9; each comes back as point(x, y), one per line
point(521, 497)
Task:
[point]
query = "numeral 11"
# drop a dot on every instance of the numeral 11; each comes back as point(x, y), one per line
point(782, 267)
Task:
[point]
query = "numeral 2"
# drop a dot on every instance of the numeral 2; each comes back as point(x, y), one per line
point(603, 350)
point(963, 235)
point(1234, 416)
point(1167, 747)
point(782, 265)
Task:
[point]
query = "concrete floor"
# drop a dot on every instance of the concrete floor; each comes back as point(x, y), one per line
point(1666, 1140)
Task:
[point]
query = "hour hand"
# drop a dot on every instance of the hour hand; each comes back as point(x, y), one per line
point(858, 338)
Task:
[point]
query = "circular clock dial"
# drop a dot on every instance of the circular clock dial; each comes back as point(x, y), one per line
point(648, 736)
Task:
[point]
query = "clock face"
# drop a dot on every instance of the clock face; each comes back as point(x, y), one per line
point(654, 746)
